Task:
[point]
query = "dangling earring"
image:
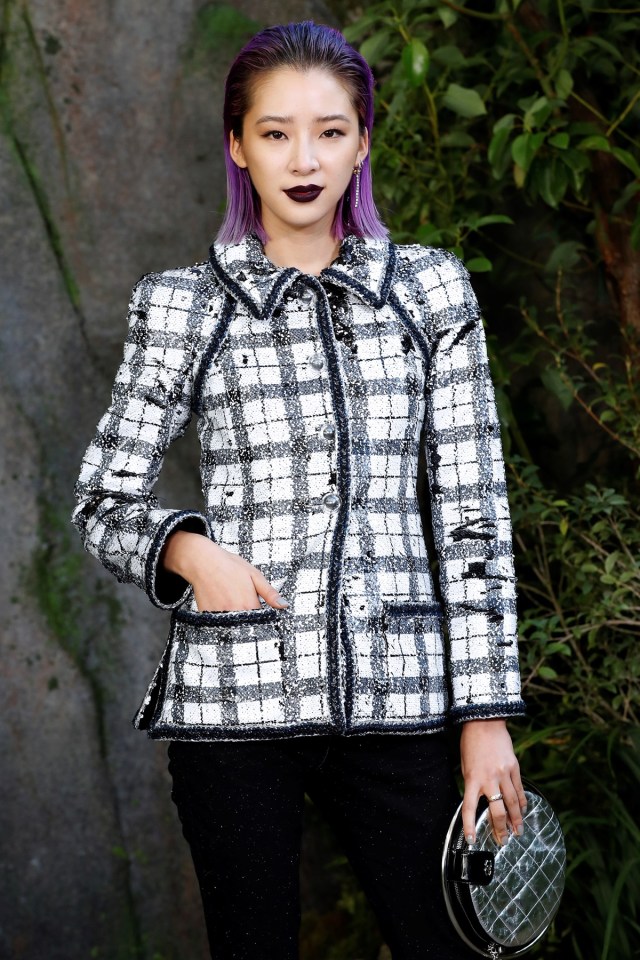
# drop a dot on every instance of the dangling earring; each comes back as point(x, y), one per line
point(356, 170)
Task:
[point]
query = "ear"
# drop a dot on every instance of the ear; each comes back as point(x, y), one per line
point(235, 148)
point(363, 148)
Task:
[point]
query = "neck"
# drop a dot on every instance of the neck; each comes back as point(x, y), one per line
point(310, 253)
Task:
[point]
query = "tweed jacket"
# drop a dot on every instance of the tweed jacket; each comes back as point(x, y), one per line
point(314, 396)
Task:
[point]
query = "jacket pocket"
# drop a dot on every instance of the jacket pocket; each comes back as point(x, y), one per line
point(222, 669)
point(399, 663)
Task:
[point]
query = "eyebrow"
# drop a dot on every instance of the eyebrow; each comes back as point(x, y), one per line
point(270, 118)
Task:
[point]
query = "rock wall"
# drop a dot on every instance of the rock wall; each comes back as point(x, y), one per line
point(111, 166)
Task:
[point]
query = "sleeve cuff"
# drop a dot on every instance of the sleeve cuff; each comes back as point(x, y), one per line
point(165, 589)
point(487, 711)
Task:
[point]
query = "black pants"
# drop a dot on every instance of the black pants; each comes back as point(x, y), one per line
point(389, 798)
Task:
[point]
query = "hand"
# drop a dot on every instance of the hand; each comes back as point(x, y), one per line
point(221, 580)
point(489, 766)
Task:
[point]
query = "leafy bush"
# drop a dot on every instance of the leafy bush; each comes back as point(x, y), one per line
point(508, 132)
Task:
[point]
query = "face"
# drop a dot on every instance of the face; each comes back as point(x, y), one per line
point(300, 142)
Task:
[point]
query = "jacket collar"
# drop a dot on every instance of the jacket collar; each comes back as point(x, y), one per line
point(364, 266)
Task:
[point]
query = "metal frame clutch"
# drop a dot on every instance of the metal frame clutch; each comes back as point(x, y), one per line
point(502, 899)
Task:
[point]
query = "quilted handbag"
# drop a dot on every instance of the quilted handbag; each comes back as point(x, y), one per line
point(502, 899)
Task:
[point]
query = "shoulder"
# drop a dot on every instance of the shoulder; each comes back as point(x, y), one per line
point(178, 286)
point(421, 260)
point(175, 301)
point(436, 277)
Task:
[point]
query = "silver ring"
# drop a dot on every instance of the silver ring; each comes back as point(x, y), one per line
point(496, 796)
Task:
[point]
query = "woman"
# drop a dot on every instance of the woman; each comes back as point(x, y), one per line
point(306, 651)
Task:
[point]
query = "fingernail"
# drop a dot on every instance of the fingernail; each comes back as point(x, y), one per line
point(469, 838)
point(504, 839)
point(520, 829)
point(282, 601)
point(523, 809)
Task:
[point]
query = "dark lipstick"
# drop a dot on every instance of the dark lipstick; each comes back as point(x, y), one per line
point(304, 194)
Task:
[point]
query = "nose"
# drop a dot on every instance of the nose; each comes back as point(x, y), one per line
point(303, 158)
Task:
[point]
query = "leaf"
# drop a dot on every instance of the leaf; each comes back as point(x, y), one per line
point(559, 140)
point(564, 84)
point(429, 235)
point(479, 265)
point(552, 181)
point(464, 101)
point(447, 16)
point(627, 159)
point(374, 47)
point(547, 673)
point(449, 56)
point(492, 218)
point(564, 255)
point(505, 122)
point(595, 142)
point(611, 561)
point(537, 113)
point(498, 153)
point(557, 646)
point(555, 384)
point(354, 31)
point(524, 148)
point(457, 138)
point(415, 59)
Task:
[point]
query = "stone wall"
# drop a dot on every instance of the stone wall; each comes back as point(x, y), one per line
point(110, 164)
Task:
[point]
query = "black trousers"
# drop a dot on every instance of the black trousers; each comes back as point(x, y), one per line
point(389, 798)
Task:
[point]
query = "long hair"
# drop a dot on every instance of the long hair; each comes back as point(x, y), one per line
point(303, 46)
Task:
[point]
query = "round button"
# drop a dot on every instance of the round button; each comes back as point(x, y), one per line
point(329, 431)
point(331, 501)
point(316, 361)
point(306, 296)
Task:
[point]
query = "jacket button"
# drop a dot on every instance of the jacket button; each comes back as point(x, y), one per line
point(329, 431)
point(331, 501)
point(306, 296)
point(316, 361)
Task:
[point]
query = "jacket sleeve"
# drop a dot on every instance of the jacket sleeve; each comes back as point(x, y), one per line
point(119, 519)
point(470, 510)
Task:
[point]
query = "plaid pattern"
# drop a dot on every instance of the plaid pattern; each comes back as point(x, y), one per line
point(314, 397)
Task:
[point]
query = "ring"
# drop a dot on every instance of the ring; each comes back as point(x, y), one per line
point(496, 796)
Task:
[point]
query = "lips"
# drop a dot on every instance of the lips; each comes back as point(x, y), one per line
point(304, 194)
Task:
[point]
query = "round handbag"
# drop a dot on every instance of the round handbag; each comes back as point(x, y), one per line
point(501, 899)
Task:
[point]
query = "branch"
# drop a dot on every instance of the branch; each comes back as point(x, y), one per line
point(474, 13)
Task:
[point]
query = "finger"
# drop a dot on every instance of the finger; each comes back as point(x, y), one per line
point(268, 593)
point(498, 815)
point(519, 788)
point(469, 809)
point(512, 805)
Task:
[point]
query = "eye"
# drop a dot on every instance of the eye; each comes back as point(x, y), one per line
point(333, 133)
point(274, 135)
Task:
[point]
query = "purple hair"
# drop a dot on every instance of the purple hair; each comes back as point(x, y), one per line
point(303, 46)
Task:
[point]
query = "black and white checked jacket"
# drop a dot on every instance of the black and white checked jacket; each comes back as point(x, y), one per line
point(313, 397)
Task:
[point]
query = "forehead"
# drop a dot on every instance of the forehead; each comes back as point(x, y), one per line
point(300, 93)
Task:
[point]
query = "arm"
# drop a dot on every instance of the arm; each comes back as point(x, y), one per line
point(472, 533)
point(119, 519)
point(166, 552)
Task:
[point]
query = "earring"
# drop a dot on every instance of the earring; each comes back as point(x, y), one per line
point(356, 170)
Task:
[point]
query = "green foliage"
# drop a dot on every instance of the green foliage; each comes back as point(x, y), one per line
point(508, 132)
point(218, 28)
point(483, 107)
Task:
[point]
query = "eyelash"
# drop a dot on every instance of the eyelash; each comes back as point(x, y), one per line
point(270, 134)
